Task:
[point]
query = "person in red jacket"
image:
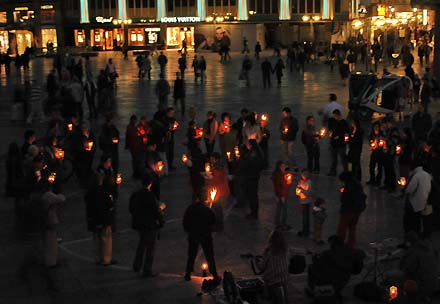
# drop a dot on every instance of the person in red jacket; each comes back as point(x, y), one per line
point(282, 182)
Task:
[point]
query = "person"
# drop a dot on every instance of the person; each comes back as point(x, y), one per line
point(310, 139)
point(353, 203)
point(84, 148)
point(246, 67)
point(162, 91)
point(257, 50)
point(421, 53)
point(421, 124)
point(281, 187)
point(147, 219)
point(250, 165)
point(146, 66)
point(416, 198)
point(392, 139)
point(29, 139)
point(227, 135)
point(251, 129)
point(303, 191)
point(245, 46)
point(109, 141)
point(131, 141)
point(376, 156)
point(100, 212)
point(35, 99)
point(275, 266)
point(288, 129)
point(319, 215)
point(406, 157)
point(202, 67)
point(184, 47)
point(301, 61)
point(179, 93)
point(162, 60)
point(196, 68)
point(344, 70)
point(210, 129)
point(339, 132)
point(182, 65)
point(171, 122)
point(198, 222)
point(356, 141)
point(267, 70)
point(327, 111)
point(291, 57)
point(90, 90)
point(264, 143)
point(278, 70)
point(110, 71)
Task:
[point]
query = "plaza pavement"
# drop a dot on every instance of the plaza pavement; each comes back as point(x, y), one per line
point(83, 282)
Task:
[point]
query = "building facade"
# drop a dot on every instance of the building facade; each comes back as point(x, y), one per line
point(109, 24)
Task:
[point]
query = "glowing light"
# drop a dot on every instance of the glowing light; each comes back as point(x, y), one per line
point(322, 132)
point(284, 10)
point(160, 166)
point(84, 5)
point(89, 146)
point(70, 127)
point(175, 126)
point(264, 117)
point(325, 9)
point(208, 168)
point(342, 189)
point(161, 9)
point(204, 266)
point(115, 140)
point(402, 181)
point(59, 154)
point(242, 10)
point(213, 194)
point(425, 17)
point(236, 152)
point(228, 154)
point(393, 292)
point(122, 9)
point(201, 10)
point(288, 178)
point(398, 149)
point(51, 178)
point(346, 138)
point(184, 158)
point(316, 18)
point(305, 18)
point(373, 145)
point(357, 24)
point(119, 179)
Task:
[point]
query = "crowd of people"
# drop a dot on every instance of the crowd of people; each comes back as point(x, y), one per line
point(225, 159)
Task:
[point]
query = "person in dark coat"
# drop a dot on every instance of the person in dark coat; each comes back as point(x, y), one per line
point(131, 141)
point(171, 122)
point(278, 70)
point(288, 129)
point(162, 60)
point(267, 70)
point(147, 219)
point(376, 157)
point(179, 93)
point(310, 139)
point(109, 141)
point(421, 123)
point(257, 50)
point(339, 135)
point(153, 167)
point(198, 222)
point(84, 148)
point(182, 65)
point(356, 141)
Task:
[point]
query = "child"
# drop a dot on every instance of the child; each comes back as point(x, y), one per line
point(281, 186)
point(319, 216)
point(303, 192)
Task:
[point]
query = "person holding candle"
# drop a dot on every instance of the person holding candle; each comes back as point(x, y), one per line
point(152, 167)
point(228, 136)
point(251, 129)
point(29, 139)
point(310, 138)
point(84, 145)
point(338, 129)
point(109, 140)
point(281, 184)
point(376, 156)
point(264, 143)
point(132, 142)
point(288, 129)
point(198, 222)
point(355, 148)
point(210, 129)
point(303, 191)
point(392, 135)
point(173, 124)
point(147, 219)
point(319, 215)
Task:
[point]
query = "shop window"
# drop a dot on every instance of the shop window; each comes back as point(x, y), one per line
point(49, 36)
point(302, 6)
point(218, 2)
point(211, 2)
point(3, 17)
point(144, 3)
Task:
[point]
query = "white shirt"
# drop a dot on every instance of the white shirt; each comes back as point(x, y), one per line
point(328, 109)
point(418, 188)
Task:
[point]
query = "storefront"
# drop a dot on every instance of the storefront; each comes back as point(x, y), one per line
point(152, 35)
point(21, 40)
point(176, 34)
point(106, 39)
point(136, 37)
point(49, 36)
point(80, 38)
point(4, 41)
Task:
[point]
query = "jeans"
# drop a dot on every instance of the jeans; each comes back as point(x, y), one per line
point(287, 152)
point(335, 152)
point(208, 249)
point(412, 221)
point(145, 250)
point(348, 221)
point(313, 154)
point(281, 212)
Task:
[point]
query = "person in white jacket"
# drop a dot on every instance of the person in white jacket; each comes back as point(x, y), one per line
point(416, 197)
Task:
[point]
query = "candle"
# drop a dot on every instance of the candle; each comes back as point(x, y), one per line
point(199, 132)
point(381, 143)
point(213, 194)
point(373, 145)
point(144, 140)
point(89, 145)
point(285, 130)
point(175, 125)
point(298, 191)
point(118, 178)
point(322, 132)
point(204, 269)
point(288, 178)
point(342, 189)
point(115, 140)
point(393, 292)
point(226, 128)
point(228, 154)
point(264, 117)
point(159, 166)
point(236, 152)
point(398, 149)
point(402, 181)
point(346, 137)
point(184, 158)
point(208, 168)
point(51, 178)
point(59, 154)
point(70, 127)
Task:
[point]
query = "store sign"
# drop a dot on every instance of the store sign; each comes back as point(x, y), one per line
point(22, 8)
point(101, 19)
point(381, 10)
point(47, 7)
point(152, 29)
point(180, 19)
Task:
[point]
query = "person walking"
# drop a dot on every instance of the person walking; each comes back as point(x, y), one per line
point(146, 66)
point(196, 68)
point(288, 128)
point(182, 65)
point(303, 191)
point(267, 70)
point(257, 50)
point(202, 67)
point(162, 60)
point(179, 93)
point(353, 203)
point(162, 92)
point(198, 222)
point(278, 70)
point(147, 219)
point(246, 67)
point(376, 139)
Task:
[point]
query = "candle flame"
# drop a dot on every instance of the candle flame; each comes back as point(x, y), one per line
point(288, 178)
point(159, 166)
point(213, 194)
point(175, 125)
point(89, 146)
point(59, 154)
point(204, 266)
point(115, 140)
point(322, 132)
point(373, 144)
point(51, 178)
point(393, 292)
point(285, 130)
point(236, 152)
point(402, 181)
point(342, 189)
point(208, 168)
point(184, 158)
point(228, 154)
point(381, 143)
point(398, 149)
point(70, 127)
point(346, 137)
point(264, 117)
point(118, 179)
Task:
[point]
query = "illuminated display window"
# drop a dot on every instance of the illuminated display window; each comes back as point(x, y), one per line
point(3, 17)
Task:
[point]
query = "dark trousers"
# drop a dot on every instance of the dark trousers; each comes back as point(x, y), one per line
point(265, 149)
point(427, 221)
point(266, 80)
point(145, 250)
point(390, 173)
point(170, 153)
point(92, 107)
point(356, 168)
point(279, 79)
point(376, 160)
point(208, 250)
point(313, 154)
point(252, 194)
point(412, 221)
point(182, 104)
point(209, 146)
point(305, 208)
point(348, 221)
point(335, 153)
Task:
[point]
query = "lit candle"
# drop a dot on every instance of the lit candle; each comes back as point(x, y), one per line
point(285, 130)
point(208, 168)
point(342, 189)
point(402, 181)
point(175, 125)
point(199, 133)
point(51, 178)
point(89, 145)
point(381, 143)
point(398, 149)
point(322, 132)
point(213, 194)
point(298, 191)
point(228, 154)
point(393, 292)
point(70, 127)
point(288, 178)
point(184, 158)
point(204, 269)
point(144, 140)
point(59, 154)
point(159, 166)
point(226, 128)
point(264, 117)
point(118, 178)
point(236, 152)
point(373, 145)
point(346, 137)
point(115, 140)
